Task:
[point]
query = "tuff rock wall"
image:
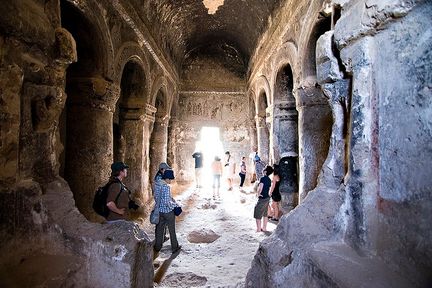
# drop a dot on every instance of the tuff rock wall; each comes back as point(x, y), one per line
point(365, 222)
point(67, 115)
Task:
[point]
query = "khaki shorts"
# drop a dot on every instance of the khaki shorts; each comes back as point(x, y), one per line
point(261, 208)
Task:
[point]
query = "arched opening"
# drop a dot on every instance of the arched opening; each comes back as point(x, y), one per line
point(159, 137)
point(309, 64)
point(315, 118)
point(263, 133)
point(132, 97)
point(285, 133)
point(285, 130)
point(253, 127)
point(128, 126)
point(82, 125)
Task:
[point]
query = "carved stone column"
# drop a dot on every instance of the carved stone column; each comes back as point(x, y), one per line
point(149, 121)
point(333, 170)
point(272, 137)
point(262, 138)
point(132, 125)
point(158, 144)
point(314, 124)
point(253, 135)
point(289, 182)
point(89, 143)
point(284, 129)
point(10, 114)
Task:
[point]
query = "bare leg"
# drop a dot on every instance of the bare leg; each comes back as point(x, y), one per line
point(270, 212)
point(276, 210)
point(264, 227)
point(258, 224)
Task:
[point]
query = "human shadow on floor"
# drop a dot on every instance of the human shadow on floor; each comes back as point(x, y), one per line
point(160, 273)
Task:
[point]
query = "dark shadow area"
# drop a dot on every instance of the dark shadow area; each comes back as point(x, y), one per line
point(160, 273)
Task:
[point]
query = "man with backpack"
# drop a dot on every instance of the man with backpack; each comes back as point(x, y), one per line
point(118, 195)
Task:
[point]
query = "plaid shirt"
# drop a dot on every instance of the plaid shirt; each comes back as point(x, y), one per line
point(167, 203)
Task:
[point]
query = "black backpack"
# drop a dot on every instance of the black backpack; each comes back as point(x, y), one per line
point(100, 198)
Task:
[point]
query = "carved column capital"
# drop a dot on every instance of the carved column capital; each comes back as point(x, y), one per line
point(260, 121)
point(285, 110)
point(94, 92)
point(150, 112)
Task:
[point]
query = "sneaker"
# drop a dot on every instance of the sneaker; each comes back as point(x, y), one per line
point(177, 249)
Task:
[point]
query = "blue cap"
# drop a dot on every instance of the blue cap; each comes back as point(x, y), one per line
point(168, 174)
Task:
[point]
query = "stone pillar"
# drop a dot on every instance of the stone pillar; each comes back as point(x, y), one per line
point(253, 133)
point(158, 144)
point(89, 136)
point(337, 91)
point(133, 130)
point(315, 121)
point(149, 121)
point(333, 170)
point(284, 129)
point(262, 138)
point(272, 137)
point(289, 182)
point(10, 112)
point(285, 146)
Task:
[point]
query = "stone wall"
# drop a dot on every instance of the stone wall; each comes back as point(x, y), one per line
point(371, 230)
point(60, 89)
point(212, 95)
point(389, 186)
point(228, 112)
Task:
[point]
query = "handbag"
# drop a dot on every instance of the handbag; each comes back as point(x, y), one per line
point(177, 210)
point(154, 215)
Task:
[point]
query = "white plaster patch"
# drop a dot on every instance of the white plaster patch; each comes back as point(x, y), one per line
point(213, 5)
point(119, 252)
point(37, 217)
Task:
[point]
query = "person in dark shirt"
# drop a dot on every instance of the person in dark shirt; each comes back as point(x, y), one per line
point(198, 156)
point(261, 206)
point(118, 200)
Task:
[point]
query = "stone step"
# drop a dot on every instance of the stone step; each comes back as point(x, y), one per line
point(347, 268)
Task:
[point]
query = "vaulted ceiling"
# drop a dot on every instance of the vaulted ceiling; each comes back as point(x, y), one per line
point(185, 27)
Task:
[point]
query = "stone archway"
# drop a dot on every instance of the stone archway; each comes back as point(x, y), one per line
point(263, 133)
point(315, 116)
point(86, 122)
point(285, 133)
point(128, 124)
point(252, 126)
point(159, 136)
point(285, 115)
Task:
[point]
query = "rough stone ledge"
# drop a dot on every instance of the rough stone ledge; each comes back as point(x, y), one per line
point(348, 269)
point(53, 245)
point(115, 255)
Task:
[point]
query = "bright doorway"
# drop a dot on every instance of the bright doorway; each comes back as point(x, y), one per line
point(211, 146)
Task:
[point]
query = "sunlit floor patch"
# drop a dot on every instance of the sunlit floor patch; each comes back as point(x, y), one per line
point(224, 262)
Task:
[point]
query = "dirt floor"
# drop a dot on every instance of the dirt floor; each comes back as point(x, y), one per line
point(222, 263)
